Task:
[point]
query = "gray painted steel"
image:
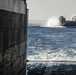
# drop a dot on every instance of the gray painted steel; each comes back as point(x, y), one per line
point(17, 6)
point(13, 37)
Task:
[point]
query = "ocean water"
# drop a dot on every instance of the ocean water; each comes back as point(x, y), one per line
point(46, 43)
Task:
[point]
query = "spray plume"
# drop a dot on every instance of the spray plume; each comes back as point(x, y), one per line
point(53, 22)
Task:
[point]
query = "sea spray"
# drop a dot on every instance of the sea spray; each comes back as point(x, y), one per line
point(53, 22)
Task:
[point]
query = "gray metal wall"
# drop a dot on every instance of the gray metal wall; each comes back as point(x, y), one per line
point(13, 36)
point(17, 6)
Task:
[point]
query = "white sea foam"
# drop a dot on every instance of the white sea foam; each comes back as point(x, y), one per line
point(68, 54)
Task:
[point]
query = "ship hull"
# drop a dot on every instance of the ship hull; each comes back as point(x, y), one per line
point(69, 24)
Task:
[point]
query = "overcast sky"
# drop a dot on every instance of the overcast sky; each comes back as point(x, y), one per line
point(44, 9)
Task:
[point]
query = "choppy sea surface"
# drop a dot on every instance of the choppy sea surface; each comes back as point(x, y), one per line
point(46, 43)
